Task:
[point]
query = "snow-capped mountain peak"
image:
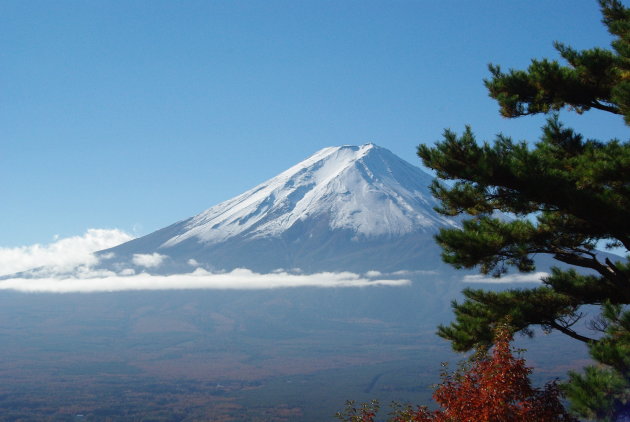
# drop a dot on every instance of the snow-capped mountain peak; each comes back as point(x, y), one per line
point(365, 189)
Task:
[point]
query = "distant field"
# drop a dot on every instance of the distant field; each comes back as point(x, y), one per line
point(283, 355)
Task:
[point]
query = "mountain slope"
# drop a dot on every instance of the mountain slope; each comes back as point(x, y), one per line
point(348, 207)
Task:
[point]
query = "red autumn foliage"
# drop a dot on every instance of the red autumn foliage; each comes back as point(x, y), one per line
point(494, 388)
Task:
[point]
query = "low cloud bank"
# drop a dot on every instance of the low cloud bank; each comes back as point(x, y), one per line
point(63, 254)
point(198, 279)
point(69, 266)
point(511, 278)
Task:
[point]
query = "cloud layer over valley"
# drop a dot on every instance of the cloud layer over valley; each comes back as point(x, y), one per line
point(510, 278)
point(68, 265)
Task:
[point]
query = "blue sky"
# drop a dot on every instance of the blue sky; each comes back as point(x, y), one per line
point(134, 115)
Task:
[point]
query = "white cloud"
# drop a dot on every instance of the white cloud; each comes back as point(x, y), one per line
point(68, 265)
point(148, 260)
point(63, 254)
point(198, 279)
point(412, 272)
point(511, 278)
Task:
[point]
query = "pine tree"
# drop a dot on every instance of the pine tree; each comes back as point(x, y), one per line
point(566, 194)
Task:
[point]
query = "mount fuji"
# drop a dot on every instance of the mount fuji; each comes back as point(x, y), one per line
point(354, 208)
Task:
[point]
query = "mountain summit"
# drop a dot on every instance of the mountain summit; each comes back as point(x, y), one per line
point(365, 189)
point(347, 207)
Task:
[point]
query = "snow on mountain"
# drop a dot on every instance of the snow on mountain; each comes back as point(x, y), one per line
point(366, 189)
point(343, 208)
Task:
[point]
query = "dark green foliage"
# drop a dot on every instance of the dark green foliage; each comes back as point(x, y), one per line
point(594, 78)
point(563, 196)
point(603, 392)
point(594, 394)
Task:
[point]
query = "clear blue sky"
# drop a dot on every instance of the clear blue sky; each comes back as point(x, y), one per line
point(137, 114)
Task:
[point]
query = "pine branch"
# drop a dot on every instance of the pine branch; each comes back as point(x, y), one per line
point(604, 107)
point(571, 333)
